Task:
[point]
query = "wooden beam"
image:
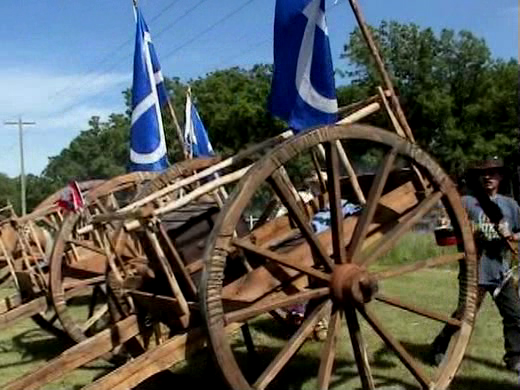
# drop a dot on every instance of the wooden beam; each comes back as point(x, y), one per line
point(78, 355)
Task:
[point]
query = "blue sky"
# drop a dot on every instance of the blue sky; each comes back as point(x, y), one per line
point(63, 61)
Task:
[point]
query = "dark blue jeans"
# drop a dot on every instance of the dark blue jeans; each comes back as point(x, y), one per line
point(508, 304)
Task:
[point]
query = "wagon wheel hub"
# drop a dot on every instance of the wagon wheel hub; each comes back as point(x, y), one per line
point(352, 284)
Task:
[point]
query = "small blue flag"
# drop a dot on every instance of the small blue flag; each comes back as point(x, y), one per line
point(147, 141)
point(303, 91)
point(195, 136)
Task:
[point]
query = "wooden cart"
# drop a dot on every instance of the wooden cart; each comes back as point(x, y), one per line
point(26, 243)
point(171, 287)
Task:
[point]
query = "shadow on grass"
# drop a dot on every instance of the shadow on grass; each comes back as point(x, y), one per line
point(34, 345)
point(301, 371)
point(200, 372)
point(461, 382)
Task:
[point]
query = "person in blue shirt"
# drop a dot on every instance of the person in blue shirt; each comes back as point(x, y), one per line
point(492, 234)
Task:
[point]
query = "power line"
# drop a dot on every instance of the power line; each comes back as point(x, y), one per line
point(111, 54)
point(169, 26)
point(186, 13)
point(257, 44)
point(211, 27)
point(226, 17)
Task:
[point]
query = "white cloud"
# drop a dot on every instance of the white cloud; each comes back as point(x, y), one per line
point(61, 106)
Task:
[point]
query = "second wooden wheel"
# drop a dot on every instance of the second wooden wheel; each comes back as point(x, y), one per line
point(78, 259)
point(336, 260)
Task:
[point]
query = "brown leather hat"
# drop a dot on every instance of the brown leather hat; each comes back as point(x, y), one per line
point(489, 163)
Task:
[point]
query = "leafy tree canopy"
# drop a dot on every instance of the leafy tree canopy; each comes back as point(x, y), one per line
point(460, 102)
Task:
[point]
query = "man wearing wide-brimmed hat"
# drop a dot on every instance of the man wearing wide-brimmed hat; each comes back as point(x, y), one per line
point(495, 219)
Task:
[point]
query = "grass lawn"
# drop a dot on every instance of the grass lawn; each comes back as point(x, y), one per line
point(25, 347)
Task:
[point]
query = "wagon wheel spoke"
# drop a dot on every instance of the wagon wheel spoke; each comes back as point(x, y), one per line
point(95, 317)
point(328, 351)
point(406, 222)
point(54, 319)
point(374, 195)
point(295, 212)
point(282, 260)
point(75, 288)
point(359, 348)
point(93, 301)
point(409, 268)
point(317, 168)
point(396, 302)
point(408, 361)
point(268, 211)
point(242, 315)
point(291, 347)
point(336, 214)
point(160, 337)
point(87, 245)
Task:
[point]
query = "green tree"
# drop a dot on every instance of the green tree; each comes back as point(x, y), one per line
point(460, 102)
point(9, 192)
point(97, 153)
point(232, 104)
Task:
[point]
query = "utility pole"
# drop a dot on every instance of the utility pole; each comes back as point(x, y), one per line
point(20, 124)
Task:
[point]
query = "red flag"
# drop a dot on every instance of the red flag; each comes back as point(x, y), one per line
point(71, 198)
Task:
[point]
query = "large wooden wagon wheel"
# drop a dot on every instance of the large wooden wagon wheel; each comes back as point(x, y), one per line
point(107, 244)
point(340, 271)
point(78, 260)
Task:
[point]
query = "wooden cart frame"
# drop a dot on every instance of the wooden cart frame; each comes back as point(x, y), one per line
point(248, 274)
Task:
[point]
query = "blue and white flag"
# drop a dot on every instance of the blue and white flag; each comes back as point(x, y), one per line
point(147, 142)
point(196, 138)
point(303, 91)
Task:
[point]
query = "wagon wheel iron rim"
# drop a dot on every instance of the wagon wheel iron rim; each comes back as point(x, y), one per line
point(343, 276)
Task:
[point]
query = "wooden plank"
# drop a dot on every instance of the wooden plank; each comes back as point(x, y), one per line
point(87, 245)
point(21, 312)
point(181, 216)
point(172, 280)
point(195, 266)
point(78, 355)
point(177, 349)
point(210, 170)
point(178, 263)
point(156, 304)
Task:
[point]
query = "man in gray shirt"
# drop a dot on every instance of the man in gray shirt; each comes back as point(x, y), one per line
point(495, 253)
